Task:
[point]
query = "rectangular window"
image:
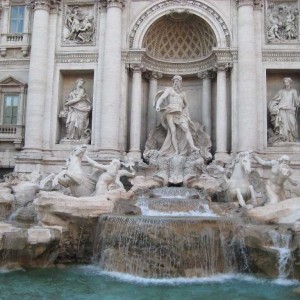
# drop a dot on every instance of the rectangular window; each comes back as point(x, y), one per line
point(10, 110)
point(17, 19)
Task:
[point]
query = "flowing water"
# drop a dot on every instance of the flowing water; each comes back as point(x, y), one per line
point(90, 283)
point(281, 242)
point(168, 247)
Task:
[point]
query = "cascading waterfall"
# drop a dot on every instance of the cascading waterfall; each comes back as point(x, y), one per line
point(281, 242)
point(169, 247)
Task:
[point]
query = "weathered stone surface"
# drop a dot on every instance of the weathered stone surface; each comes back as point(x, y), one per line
point(6, 202)
point(32, 247)
point(285, 212)
point(25, 192)
point(54, 208)
point(25, 214)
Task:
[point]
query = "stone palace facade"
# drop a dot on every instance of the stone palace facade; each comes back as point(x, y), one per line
point(88, 71)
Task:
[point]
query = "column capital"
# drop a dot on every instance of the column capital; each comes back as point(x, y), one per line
point(222, 67)
point(43, 4)
point(136, 67)
point(209, 74)
point(112, 3)
point(245, 2)
point(153, 75)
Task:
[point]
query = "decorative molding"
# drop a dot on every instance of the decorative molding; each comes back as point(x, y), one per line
point(112, 3)
point(222, 67)
point(180, 68)
point(191, 3)
point(280, 56)
point(245, 2)
point(209, 74)
point(136, 67)
point(152, 75)
point(14, 62)
point(43, 4)
point(76, 57)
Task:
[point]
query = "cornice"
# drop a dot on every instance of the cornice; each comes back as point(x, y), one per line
point(219, 56)
point(76, 57)
point(280, 56)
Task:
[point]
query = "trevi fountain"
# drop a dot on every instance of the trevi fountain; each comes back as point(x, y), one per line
point(149, 149)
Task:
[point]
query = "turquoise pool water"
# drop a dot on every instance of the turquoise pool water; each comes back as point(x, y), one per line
point(88, 282)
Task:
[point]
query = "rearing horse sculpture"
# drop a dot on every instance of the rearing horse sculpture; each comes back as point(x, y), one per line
point(238, 186)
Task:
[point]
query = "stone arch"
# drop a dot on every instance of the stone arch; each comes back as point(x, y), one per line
point(202, 9)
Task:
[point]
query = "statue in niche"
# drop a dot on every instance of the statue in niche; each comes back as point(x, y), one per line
point(76, 111)
point(283, 111)
point(282, 22)
point(177, 146)
point(110, 178)
point(180, 135)
point(79, 26)
point(280, 172)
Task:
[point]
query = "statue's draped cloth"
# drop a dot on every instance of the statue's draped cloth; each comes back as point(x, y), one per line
point(283, 114)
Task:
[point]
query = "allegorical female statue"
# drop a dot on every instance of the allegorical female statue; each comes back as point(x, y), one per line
point(283, 112)
point(77, 109)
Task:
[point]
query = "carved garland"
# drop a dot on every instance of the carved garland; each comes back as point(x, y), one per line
point(167, 3)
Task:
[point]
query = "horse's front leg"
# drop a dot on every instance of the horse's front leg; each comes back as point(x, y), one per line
point(240, 198)
point(253, 196)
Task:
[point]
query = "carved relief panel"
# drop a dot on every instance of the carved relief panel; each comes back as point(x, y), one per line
point(79, 23)
point(282, 21)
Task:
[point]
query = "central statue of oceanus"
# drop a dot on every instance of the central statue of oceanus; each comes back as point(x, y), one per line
point(171, 145)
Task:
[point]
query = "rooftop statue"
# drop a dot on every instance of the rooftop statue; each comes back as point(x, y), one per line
point(283, 111)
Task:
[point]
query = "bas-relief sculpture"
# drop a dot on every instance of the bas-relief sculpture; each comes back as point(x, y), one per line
point(283, 110)
point(280, 172)
point(79, 25)
point(76, 113)
point(282, 21)
point(177, 146)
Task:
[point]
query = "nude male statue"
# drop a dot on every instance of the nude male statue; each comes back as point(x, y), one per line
point(280, 172)
point(175, 114)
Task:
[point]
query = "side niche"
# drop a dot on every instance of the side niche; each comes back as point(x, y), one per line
point(75, 107)
point(282, 21)
point(78, 24)
point(283, 121)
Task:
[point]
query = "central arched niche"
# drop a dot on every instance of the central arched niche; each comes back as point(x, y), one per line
point(179, 37)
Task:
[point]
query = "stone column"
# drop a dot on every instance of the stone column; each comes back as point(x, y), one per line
point(206, 100)
point(247, 114)
point(151, 112)
point(221, 112)
point(37, 82)
point(136, 112)
point(111, 94)
point(5, 25)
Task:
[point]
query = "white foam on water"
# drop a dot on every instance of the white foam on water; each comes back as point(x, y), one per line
point(5, 270)
point(218, 278)
point(192, 213)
